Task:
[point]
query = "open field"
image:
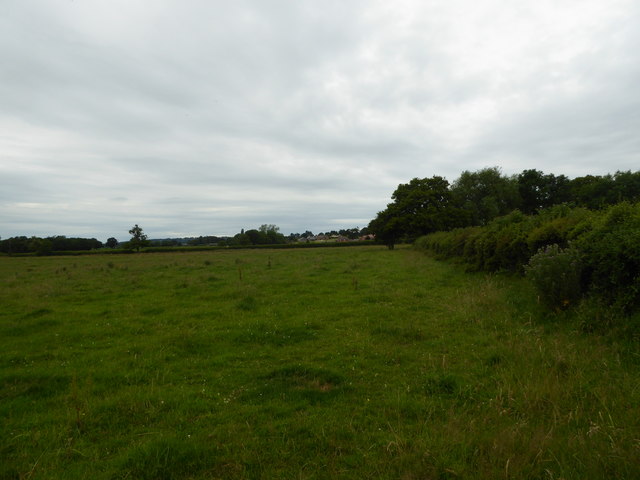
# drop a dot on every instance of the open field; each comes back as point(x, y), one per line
point(324, 363)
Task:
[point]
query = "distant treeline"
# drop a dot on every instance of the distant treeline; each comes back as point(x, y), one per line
point(44, 246)
point(266, 235)
point(429, 205)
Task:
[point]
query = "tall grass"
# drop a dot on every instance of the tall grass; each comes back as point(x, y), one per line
point(323, 363)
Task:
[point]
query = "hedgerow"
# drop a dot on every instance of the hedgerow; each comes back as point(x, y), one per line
point(508, 242)
point(556, 273)
point(606, 244)
point(611, 251)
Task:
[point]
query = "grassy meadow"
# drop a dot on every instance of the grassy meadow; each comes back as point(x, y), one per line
point(300, 364)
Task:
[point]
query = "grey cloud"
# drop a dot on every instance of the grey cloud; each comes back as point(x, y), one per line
point(207, 117)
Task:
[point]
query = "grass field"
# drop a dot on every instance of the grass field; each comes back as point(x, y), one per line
point(294, 364)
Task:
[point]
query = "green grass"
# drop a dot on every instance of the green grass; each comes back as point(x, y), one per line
point(323, 363)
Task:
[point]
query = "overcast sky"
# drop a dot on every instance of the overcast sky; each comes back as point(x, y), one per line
point(202, 117)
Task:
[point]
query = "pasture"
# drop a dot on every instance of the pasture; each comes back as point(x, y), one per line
point(301, 364)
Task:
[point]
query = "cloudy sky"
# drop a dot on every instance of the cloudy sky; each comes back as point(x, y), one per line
point(202, 117)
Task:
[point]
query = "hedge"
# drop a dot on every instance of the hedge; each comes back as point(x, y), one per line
point(607, 242)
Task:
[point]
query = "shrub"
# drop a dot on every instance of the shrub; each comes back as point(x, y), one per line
point(612, 256)
point(559, 225)
point(548, 233)
point(556, 273)
point(446, 244)
point(512, 250)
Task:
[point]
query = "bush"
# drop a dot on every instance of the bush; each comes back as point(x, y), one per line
point(556, 273)
point(512, 250)
point(557, 225)
point(501, 245)
point(612, 256)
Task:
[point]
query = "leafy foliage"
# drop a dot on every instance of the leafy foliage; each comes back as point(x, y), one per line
point(138, 238)
point(48, 245)
point(607, 241)
point(556, 274)
point(419, 207)
point(539, 191)
point(430, 205)
point(387, 226)
point(485, 194)
point(611, 248)
point(112, 242)
point(268, 234)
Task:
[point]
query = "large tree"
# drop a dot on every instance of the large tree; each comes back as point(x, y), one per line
point(422, 206)
point(539, 191)
point(272, 233)
point(112, 242)
point(268, 234)
point(485, 194)
point(626, 187)
point(138, 238)
point(591, 191)
point(387, 226)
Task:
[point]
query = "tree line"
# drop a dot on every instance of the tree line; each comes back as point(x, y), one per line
point(266, 234)
point(61, 243)
point(428, 205)
point(44, 246)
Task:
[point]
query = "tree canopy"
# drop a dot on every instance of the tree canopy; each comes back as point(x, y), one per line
point(45, 246)
point(485, 194)
point(428, 205)
point(419, 207)
point(267, 234)
point(112, 242)
point(138, 238)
